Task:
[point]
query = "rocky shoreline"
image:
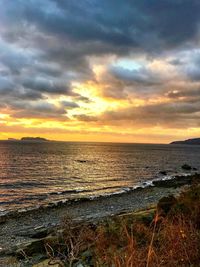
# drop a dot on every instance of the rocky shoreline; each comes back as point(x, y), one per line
point(27, 230)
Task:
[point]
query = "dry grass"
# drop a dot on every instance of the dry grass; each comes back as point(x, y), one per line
point(171, 239)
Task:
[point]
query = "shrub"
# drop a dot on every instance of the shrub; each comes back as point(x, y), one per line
point(172, 238)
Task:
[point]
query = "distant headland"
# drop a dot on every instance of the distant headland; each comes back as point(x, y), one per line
point(32, 139)
point(193, 141)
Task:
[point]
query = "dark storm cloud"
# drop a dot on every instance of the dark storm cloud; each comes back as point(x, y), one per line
point(9, 91)
point(112, 21)
point(175, 21)
point(49, 70)
point(14, 58)
point(176, 115)
point(38, 110)
point(83, 99)
point(9, 97)
point(192, 95)
point(122, 24)
point(192, 69)
point(142, 82)
point(46, 86)
point(141, 76)
point(5, 85)
point(29, 95)
point(194, 73)
point(46, 45)
point(69, 105)
point(176, 62)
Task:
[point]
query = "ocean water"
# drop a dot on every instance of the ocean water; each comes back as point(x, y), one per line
point(35, 174)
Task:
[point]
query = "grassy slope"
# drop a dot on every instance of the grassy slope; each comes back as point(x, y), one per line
point(167, 236)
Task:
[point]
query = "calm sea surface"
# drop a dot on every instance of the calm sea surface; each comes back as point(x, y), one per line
point(34, 174)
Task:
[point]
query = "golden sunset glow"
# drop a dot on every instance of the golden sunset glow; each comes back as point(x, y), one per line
point(103, 80)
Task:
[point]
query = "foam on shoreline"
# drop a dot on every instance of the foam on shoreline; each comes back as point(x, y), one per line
point(124, 190)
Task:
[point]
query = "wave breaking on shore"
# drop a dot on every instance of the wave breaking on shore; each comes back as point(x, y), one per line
point(182, 179)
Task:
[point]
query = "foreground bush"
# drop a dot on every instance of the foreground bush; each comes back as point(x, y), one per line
point(171, 239)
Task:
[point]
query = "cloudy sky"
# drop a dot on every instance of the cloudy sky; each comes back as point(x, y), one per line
point(109, 70)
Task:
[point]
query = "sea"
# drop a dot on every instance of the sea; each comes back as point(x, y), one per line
point(35, 174)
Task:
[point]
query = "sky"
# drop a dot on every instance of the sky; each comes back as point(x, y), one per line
point(109, 70)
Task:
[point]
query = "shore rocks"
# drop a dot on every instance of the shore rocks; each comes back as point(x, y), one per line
point(163, 172)
point(27, 227)
point(178, 181)
point(37, 232)
point(166, 183)
point(186, 167)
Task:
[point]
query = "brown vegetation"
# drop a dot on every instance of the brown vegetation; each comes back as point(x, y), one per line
point(171, 239)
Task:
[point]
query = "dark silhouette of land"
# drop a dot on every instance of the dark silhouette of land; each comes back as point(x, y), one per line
point(193, 141)
point(37, 139)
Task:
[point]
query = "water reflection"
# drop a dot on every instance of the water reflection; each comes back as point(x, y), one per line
point(38, 173)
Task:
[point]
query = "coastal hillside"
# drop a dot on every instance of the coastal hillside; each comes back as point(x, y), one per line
point(166, 235)
point(193, 141)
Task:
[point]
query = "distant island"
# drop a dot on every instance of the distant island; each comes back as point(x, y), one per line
point(36, 139)
point(193, 141)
